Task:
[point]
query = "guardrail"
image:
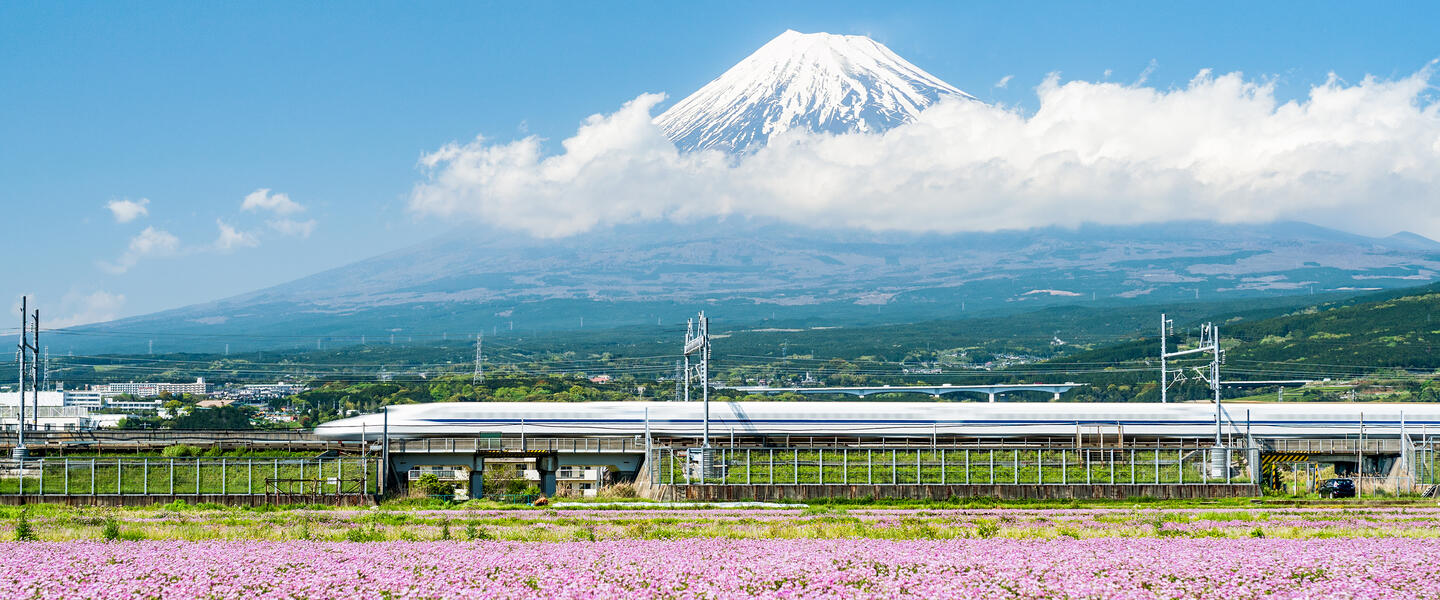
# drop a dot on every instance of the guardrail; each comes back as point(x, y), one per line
point(1200, 465)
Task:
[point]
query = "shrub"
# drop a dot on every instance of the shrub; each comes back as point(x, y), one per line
point(365, 534)
point(987, 528)
point(180, 451)
point(445, 529)
point(473, 533)
point(23, 531)
point(501, 480)
point(618, 490)
point(110, 531)
point(430, 485)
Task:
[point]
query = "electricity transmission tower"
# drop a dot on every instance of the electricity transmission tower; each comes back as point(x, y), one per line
point(679, 382)
point(479, 375)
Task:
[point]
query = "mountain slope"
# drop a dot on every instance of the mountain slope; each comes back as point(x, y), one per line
point(749, 272)
point(819, 82)
point(1336, 339)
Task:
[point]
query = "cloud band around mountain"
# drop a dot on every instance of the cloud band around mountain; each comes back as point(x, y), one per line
point(1363, 157)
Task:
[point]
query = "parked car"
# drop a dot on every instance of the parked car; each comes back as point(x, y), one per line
point(1337, 488)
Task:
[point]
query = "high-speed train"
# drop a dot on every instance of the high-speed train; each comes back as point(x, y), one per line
point(891, 419)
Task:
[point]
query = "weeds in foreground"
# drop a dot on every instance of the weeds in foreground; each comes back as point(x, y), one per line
point(23, 531)
point(110, 529)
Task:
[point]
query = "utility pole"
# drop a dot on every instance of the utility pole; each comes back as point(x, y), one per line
point(697, 341)
point(384, 449)
point(1209, 343)
point(35, 382)
point(1165, 327)
point(689, 333)
point(19, 450)
point(1216, 356)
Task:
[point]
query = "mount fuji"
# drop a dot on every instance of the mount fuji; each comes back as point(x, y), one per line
point(818, 82)
point(745, 271)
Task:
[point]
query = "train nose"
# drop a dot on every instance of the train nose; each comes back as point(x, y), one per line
point(353, 428)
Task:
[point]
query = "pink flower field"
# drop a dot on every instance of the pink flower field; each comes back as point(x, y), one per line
point(1369, 568)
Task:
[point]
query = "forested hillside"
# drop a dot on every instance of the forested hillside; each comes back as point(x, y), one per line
point(1380, 343)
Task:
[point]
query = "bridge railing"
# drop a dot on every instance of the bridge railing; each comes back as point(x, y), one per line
point(623, 444)
point(1333, 445)
point(1199, 465)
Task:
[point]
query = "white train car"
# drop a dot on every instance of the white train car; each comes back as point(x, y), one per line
point(890, 419)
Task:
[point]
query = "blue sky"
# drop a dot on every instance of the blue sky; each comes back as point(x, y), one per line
point(195, 106)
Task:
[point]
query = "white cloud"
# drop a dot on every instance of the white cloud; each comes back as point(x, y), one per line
point(231, 238)
point(128, 210)
point(262, 199)
point(79, 308)
point(292, 227)
point(1362, 157)
point(1004, 82)
point(148, 243)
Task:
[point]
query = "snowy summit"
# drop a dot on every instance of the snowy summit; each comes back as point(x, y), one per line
point(819, 81)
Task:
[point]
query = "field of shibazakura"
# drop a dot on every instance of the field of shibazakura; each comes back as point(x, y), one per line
point(176, 551)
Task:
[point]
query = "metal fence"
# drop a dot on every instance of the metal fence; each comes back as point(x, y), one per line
point(189, 476)
point(1426, 461)
point(944, 466)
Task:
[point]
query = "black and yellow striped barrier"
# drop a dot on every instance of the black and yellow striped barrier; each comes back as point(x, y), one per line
point(1283, 457)
point(1270, 466)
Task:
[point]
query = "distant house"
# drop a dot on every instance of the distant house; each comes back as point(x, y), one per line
point(600, 379)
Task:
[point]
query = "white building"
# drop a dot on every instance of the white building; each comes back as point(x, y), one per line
point(54, 413)
point(580, 480)
point(278, 389)
point(46, 399)
point(150, 390)
point(91, 398)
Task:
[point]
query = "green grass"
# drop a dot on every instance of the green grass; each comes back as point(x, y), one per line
point(1139, 519)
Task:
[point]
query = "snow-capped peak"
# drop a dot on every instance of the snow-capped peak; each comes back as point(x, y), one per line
point(820, 81)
